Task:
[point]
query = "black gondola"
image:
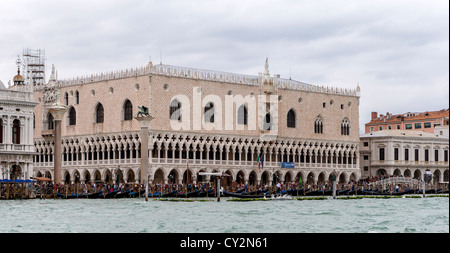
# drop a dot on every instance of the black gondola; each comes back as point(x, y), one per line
point(93, 195)
point(188, 195)
point(204, 194)
point(245, 196)
point(169, 194)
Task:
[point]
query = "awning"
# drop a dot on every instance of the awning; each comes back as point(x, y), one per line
point(42, 178)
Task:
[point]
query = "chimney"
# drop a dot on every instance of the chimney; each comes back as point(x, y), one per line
point(374, 115)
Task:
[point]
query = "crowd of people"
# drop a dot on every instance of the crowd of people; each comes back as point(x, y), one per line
point(92, 187)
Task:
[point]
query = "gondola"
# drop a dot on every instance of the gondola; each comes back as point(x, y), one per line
point(188, 195)
point(204, 194)
point(357, 192)
point(136, 194)
point(67, 196)
point(169, 194)
point(245, 196)
point(108, 195)
point(386, 193)
point(121, 195)
point(93, 195)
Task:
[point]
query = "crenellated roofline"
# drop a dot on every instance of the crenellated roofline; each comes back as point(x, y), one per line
point(206, 75)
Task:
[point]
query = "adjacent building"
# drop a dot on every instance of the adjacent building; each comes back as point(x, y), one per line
point(430, 122)
point(404, 153)
point(16, 129)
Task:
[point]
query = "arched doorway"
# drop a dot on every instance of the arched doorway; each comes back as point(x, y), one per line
point(240, 177)
point(265, 178)
point(77, 178)
point(108, 176)
point(417, 174)
point(48, 174)
point(227, 180)
point(159, 177)
point(436, 177)
point(131, 176)
point(97, 177)
point(252, 178)
point(381, 173)
point(397, 172)
point(288, 178)
point(87, 177)
point(407, 173)
point(173, 177)
point(321, 179)
point(67, 177)
point(353, 177)
point(187, 174)
point(15, 172)
point(310, 179)
point(342, 178)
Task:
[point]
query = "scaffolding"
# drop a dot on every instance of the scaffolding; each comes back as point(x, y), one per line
point(34, 65)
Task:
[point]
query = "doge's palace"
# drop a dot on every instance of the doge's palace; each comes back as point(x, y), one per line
point(256, 128)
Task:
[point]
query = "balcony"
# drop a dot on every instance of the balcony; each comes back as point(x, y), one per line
point(48, 133)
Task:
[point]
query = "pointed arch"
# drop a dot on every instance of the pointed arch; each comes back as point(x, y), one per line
point(209, 112)
point(318, 125)
point(175, 110)
point(72, 116)
point(99, 113)
point(127, 110)
point(50, 121)
point(345, 126)
point(243, 115)
point(290, 118)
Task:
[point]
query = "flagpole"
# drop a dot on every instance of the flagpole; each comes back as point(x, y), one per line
point(187, 174)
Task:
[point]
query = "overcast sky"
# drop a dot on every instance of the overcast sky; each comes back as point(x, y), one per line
point(398, 51)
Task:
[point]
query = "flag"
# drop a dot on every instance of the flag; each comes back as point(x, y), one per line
point(260, 161)
point(300, 182)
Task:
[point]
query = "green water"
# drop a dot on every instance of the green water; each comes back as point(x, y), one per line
point(400, 215)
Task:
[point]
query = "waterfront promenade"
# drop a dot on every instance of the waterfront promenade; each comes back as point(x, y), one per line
point(19, 189)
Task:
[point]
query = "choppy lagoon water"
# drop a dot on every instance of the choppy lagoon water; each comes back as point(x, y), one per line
point(407, 215)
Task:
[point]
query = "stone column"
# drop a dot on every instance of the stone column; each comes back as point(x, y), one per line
point(145, 123)
point(58, 112)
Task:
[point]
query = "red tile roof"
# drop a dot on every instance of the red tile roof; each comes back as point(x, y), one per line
point(389, 118)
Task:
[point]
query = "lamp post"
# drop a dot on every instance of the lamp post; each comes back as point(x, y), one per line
point(427, 176)
point(333, 179)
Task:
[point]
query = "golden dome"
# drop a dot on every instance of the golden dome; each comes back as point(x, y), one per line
point(18, 79)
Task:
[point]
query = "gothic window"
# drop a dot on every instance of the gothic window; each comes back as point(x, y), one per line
point(50, 122)
point(72, 116)
point(242, 115)
point(267, 124)
point(16, 132)
point(291, 118)
point(128, 110)
point(99, 113)
point(175, 110)
point(1, 131)
point(209, 112)
point(77, 97)
point(345, 127)
point(318, 125)
point(66, 98)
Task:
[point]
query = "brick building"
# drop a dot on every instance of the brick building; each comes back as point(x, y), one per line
point(415, 121)
point(211, 120)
